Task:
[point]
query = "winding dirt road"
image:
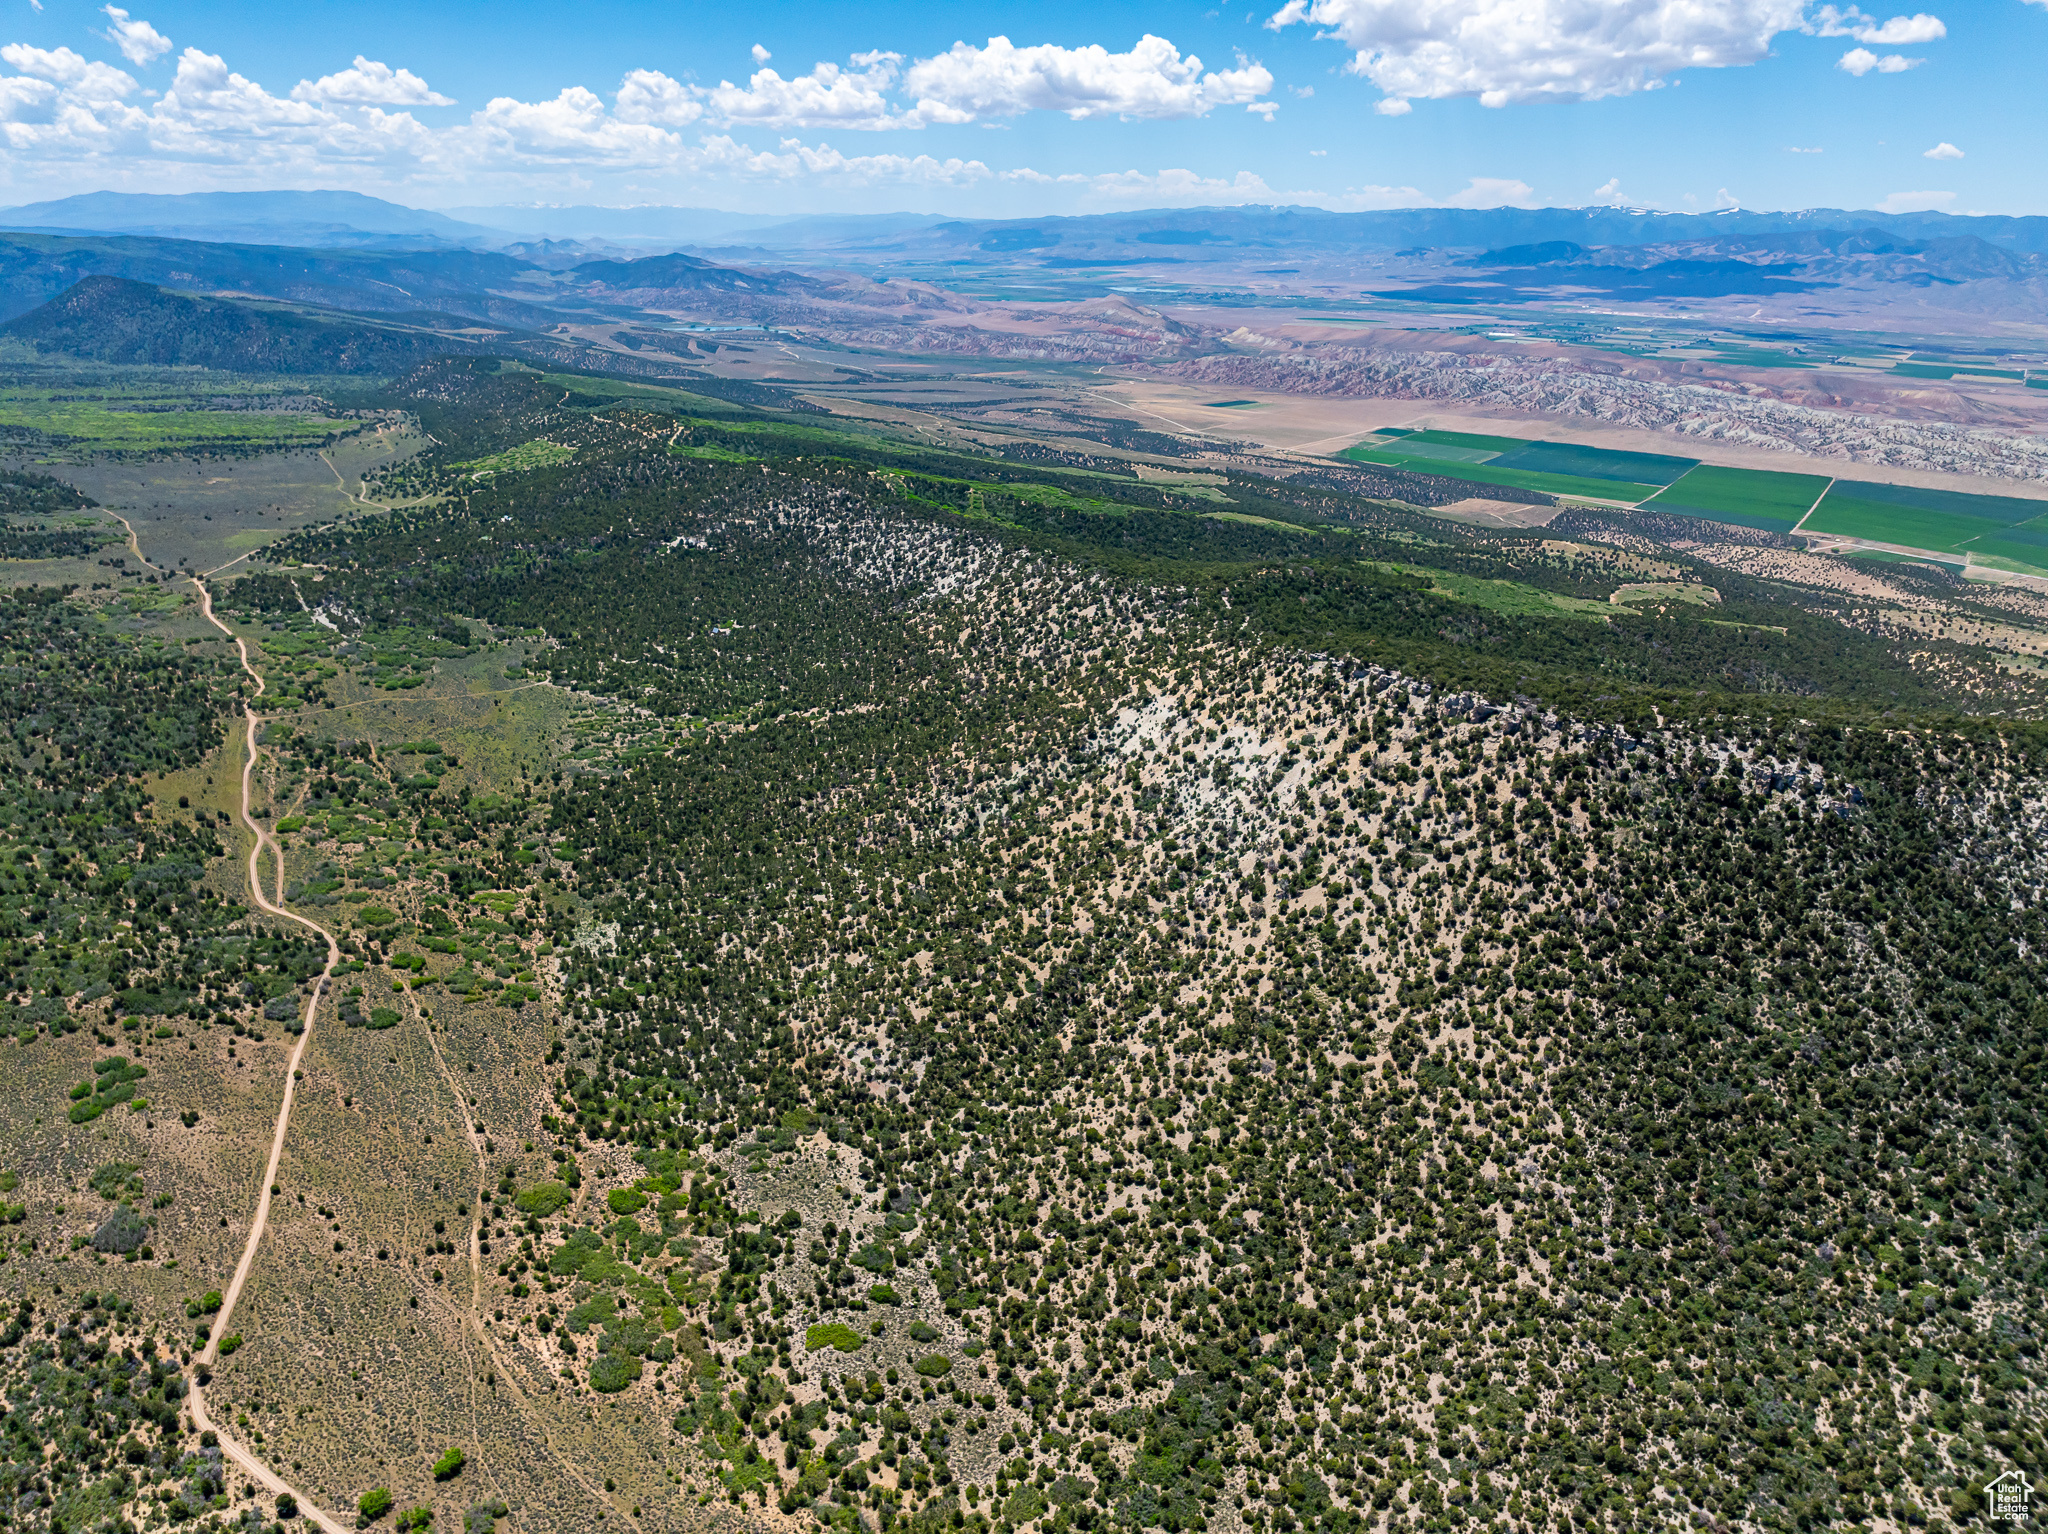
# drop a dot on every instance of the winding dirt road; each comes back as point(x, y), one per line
point(251, 1466)
point(266, 846)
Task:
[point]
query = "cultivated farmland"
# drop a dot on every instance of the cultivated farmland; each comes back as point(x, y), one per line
point(1555, 468)
point(1742, 497)
point(1944, 520)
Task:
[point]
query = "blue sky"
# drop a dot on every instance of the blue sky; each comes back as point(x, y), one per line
point(1020, 110)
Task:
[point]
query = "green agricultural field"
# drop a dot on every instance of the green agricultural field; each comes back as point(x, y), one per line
point(1945, 372)
point(1601, 463)
point(1555, 468)
point(1448, 452)
point(1523, 454)
point(1755, 357)
point(1745, 497)
point(1489, 474)
point(2026, 544)
point(1945, 520)
point(1915, 527)
point(1887, 557)
point(1468, 439)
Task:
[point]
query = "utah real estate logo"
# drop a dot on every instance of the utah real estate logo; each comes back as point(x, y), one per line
point(2008, 1496)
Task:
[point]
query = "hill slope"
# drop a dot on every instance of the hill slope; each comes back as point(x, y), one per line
point(109, 319)
point(969, 1004)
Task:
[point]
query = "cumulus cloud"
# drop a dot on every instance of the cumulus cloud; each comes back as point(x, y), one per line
point(1900, 31)
point(1861, 61)
point(206, 94)
point(90, 79)
point(1504, 51)
point(761, 55)
point(139, 42)
point(572, 129)
point(24, 103)
point(65, 117)
point(1181, 186)
point(1150, 82)
point(1916, 202)
point(1943, 151)
point(370, 83)
point(828, 96)
point(1795, 149)
point(649, 96)
point(794, 160)
point(1393, 106)
point(1493, 192)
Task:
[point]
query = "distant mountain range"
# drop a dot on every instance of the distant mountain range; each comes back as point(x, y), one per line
point(331, 219)
point(328, 219)
point(653, 225)
point(1305, 230)
point(849, 272)
point(254, 218)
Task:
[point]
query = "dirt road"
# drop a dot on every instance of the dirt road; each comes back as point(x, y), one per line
point(254, 1468)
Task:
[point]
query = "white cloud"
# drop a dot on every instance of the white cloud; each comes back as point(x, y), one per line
point(761, 55)
point(827, 97)
point(1900, 31)
point(1795, 149)
point(1861, 61)
point(139, 42)
point(1943, 151)
point(1610, 192)
point(1179, 186)
point(68, 121)
point(88, 78)
point(23, 102)
point(793, 160)
point(1504, 51)
point(1493, 192)
point(206, 94)
point(370, 83)
point(1151, 82)
point(649, 96)
point(1916, 202)
point(1903, 31)
point(1393, 106)
point(572, 129)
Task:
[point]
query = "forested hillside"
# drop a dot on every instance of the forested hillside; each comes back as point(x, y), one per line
point(111, 319)
point(1144, 1020)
